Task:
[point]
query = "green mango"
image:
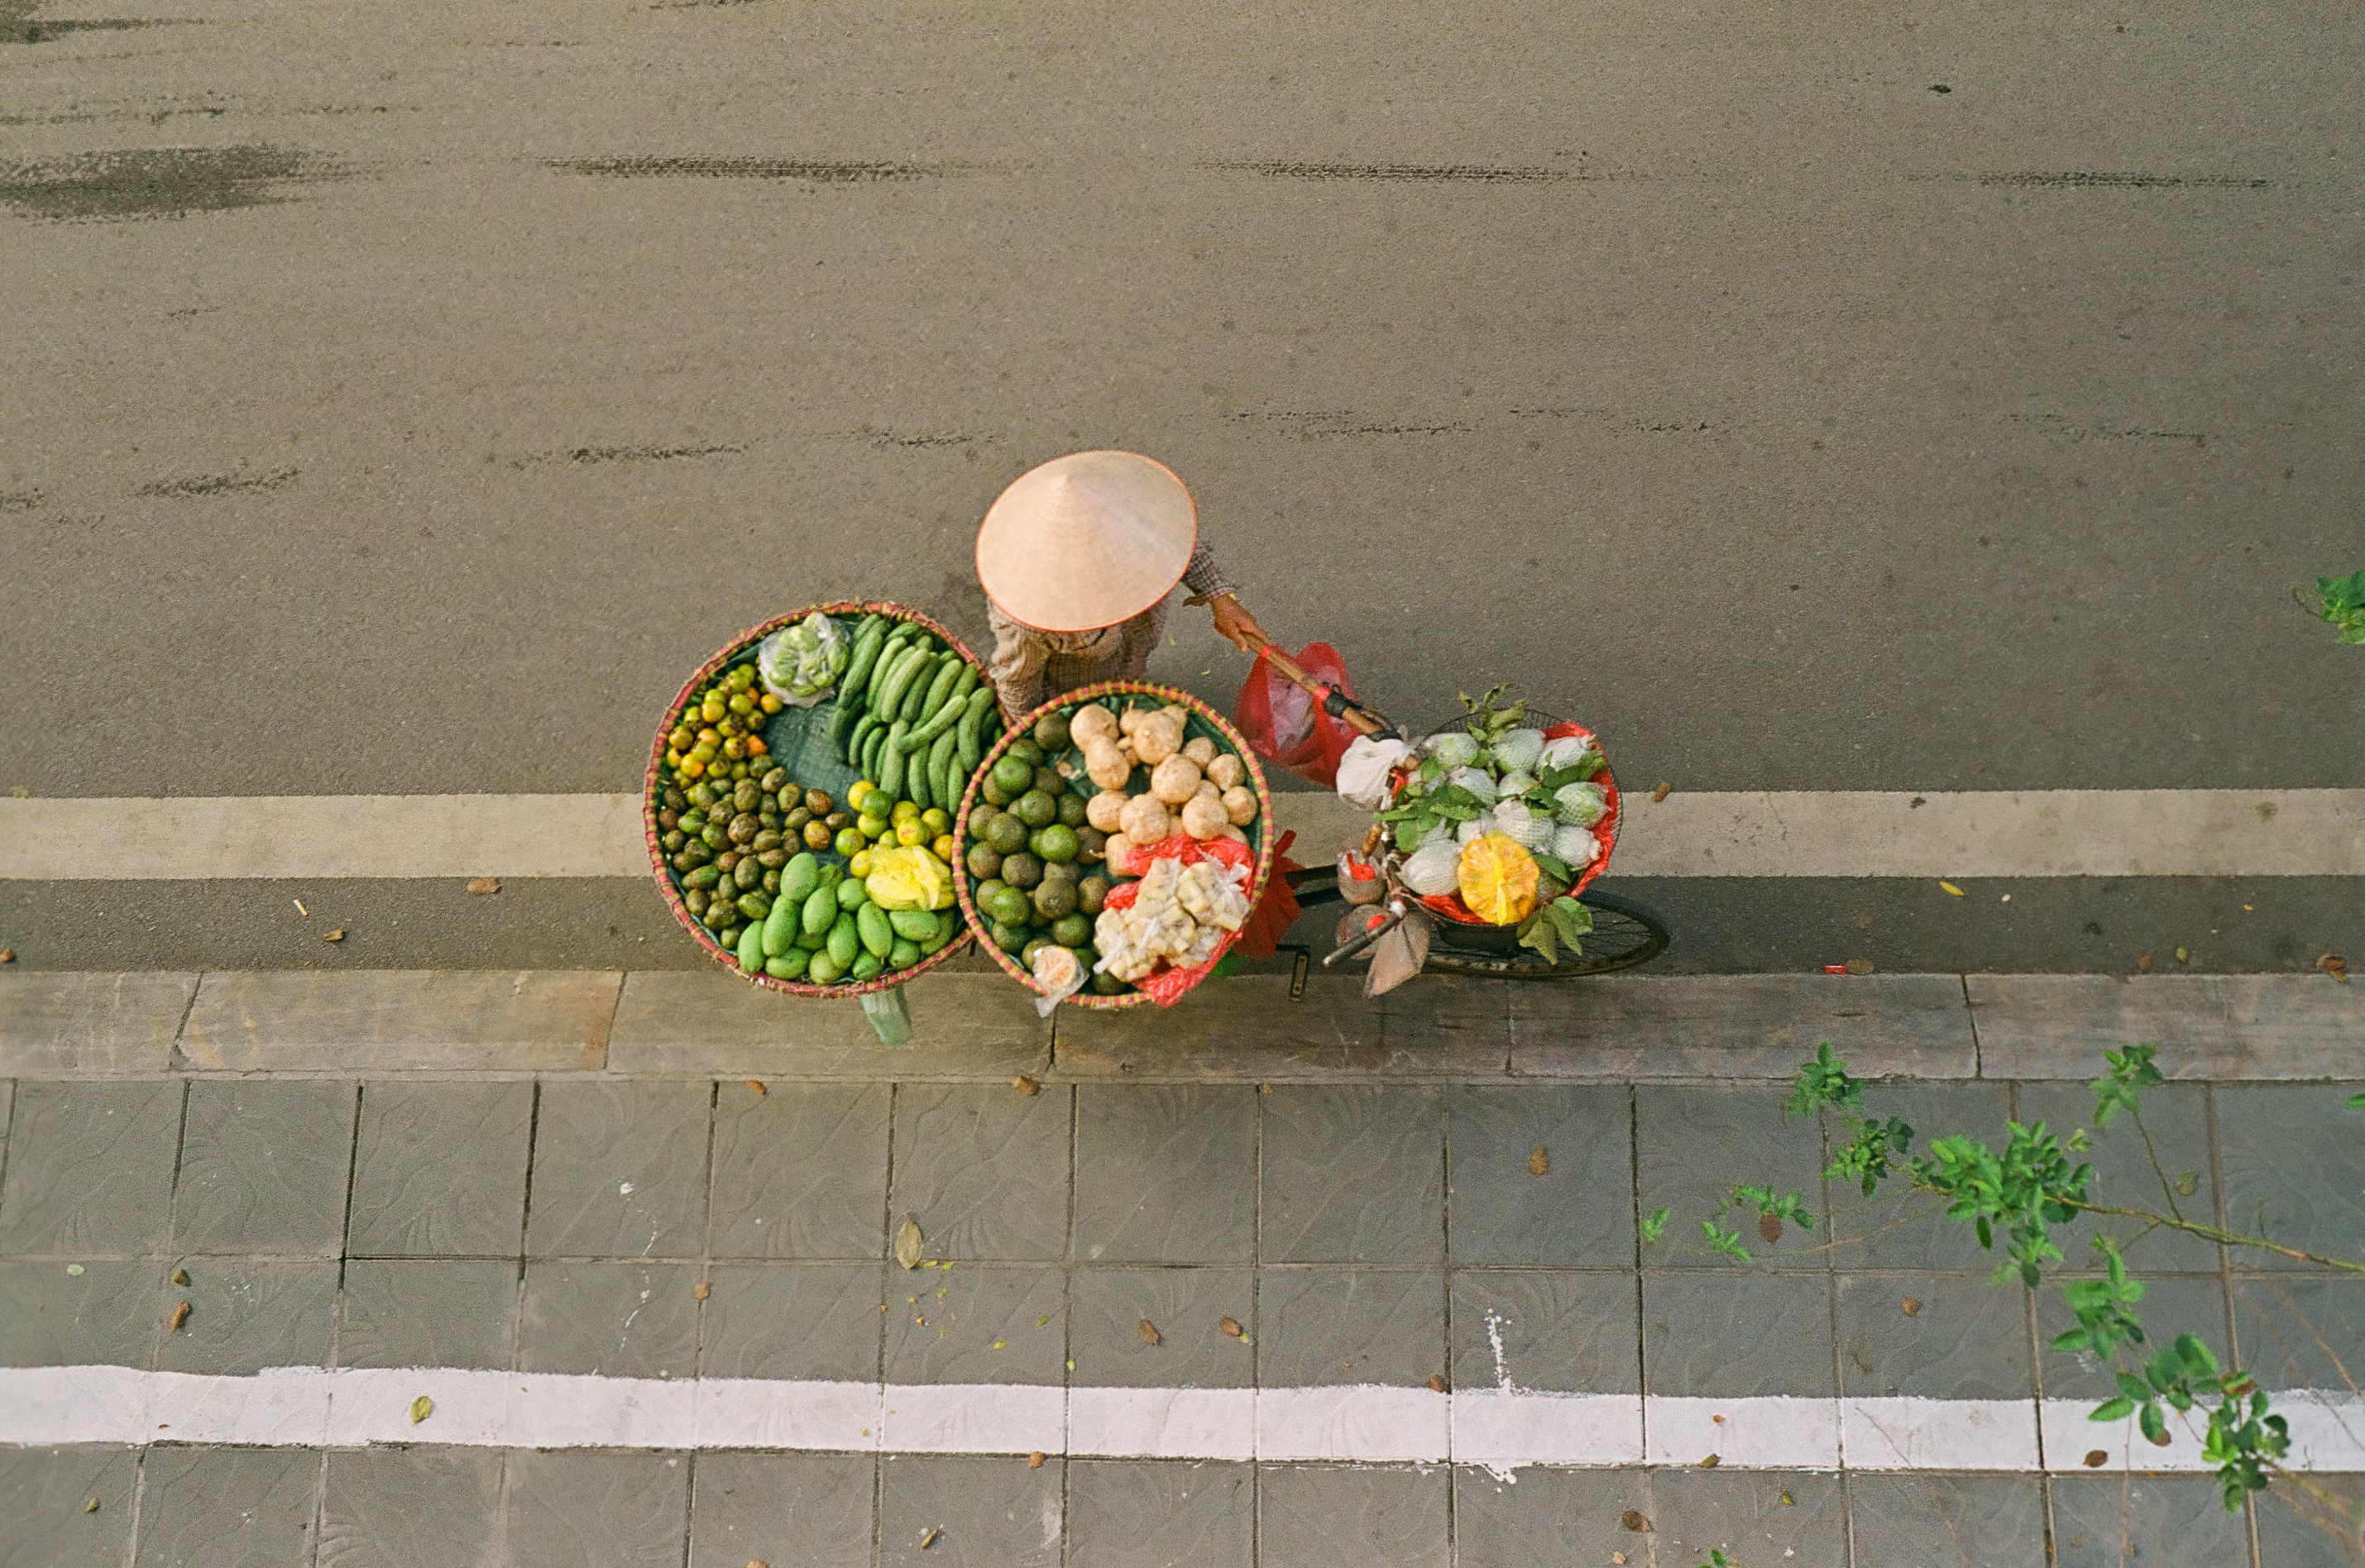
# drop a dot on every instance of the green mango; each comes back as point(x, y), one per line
point(801, 876)
point(789, 965)
point(852, 894)
point(751, 947)
point(903, 953)
point(845, 941)
point(866, 967)
point(915, 924)
point(780, 927)
point(823, 970)
point(821, 911)
point(871, 923)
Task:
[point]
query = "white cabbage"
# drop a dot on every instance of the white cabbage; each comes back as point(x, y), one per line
point(1519, 750)
point(1455, 748)
point(1565, 752)
point(1431, 868)
point(1477, 780)
point(1580, 805)
point(1575, 845)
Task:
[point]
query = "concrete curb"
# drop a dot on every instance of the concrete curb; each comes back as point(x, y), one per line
point(980, 1028)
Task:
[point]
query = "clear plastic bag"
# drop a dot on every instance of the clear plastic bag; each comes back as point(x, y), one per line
point(801, 662)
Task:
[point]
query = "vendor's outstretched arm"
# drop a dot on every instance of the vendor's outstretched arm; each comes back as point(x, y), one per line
point(1208, 586)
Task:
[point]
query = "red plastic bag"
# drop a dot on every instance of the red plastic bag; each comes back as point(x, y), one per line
point(1277, 910)
point(1166, 985)
point(1283, 723)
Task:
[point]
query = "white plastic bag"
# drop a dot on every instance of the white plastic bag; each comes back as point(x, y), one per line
point(1364, 771)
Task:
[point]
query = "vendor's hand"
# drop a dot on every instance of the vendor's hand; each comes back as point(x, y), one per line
point(1237, 626)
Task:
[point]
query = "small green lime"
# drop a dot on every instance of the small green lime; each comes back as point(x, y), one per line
point(1072, 809)
point(1027, 752)
point(984, 860)
point(1052, 732)
point(1012, 775)
point(850, 842)
point(1035, 808)
point(1007, 938)
point(1072, 930)
point(1053, 900)
point(1006, 833)
point(1021, 870)
point(1056, 842)
point(1011, 906)
point(1092, 892)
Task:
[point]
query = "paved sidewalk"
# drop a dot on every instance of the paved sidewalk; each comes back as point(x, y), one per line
point(680, 1275)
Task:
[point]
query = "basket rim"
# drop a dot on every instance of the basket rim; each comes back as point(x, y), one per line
point(1200, 706)
point(651, 793)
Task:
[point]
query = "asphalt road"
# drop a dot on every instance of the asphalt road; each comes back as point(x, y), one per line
point(402, 398)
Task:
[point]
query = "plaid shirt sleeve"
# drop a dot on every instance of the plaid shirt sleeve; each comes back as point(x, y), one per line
point(1204, 577)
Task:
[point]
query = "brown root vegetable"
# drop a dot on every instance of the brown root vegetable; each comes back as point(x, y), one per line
point(1090, 722)
point(1131, 720)
point(1208, 788)
point(1158, 737)
point(1104, 810)
point(1239, 806)
point(1202, 818)
point(1108, 766)
point(1176, 780)
point(1200, 749)
point(1234, 834)
point(1145, 820)
point(1117, 853)
point(1227, 771)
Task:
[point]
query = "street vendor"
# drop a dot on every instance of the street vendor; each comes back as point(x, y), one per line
point(1079, 558)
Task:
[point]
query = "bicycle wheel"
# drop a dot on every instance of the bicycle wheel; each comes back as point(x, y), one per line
point(1625, 935)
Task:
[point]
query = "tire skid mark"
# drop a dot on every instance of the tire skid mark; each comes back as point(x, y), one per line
point(2100, 181)
point(220, 484)
point(806, 171)
point(2053, 424)
point(587, 455)
point(17, 26)
point(164, 181)
point(1324, 424)
point(1479, 173)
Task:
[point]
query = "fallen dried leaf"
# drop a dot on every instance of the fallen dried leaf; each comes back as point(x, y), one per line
point(180, 1316)
point(1952, 889)
point(907, 1244)
point(1712, 1462)
point(1232, 1325)
point(700, 1291)
point(1540, 1162)
point(91, 1506)
point(1025, 1085)
point(336, 936)
point(1661, 792)
point(2096, 1459)
point(1770, 1227)
point(757, 1562)
point(1633, 1521)
point(1034, 1459)
point(757, 1085)
point(2332, 963)
point(180, 1276)
point(928, 1537)
point(1617, 1557)
point(483, 884)
point(1911, 1306)
point(2143, 965)
point(1147, 1330)
point(1437, 1383)
point(421, 1408)
point(7, 955)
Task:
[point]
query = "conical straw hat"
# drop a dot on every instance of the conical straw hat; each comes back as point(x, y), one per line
point(1085, 540)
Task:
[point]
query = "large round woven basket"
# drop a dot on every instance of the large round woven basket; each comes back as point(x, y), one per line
point(741, 650)
point(1201, 719)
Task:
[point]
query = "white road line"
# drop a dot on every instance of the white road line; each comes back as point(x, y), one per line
point(1502, 1428)
point(2045, 832)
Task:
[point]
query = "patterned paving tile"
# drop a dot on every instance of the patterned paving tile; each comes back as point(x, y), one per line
point(794, 1320)
point(800, 1171)
point(1575, 1333)
point(1540, 1516)
point(1187, 1306)
point(1329, 1516)
point(45, 1520)
point(1166, 1173)
point(246, 1316)
point(1726, 1334)
point(576, 1509)
point(812, 1510)
point(2158, 1521)
point(106, 1315)
point(1353, 1174)
point(2316, 1203)
point(1579, 1210)
point(1754, 1517)
point(227, 1507)
point(428, 1312)
point(412, 1509)
point(1947, 1522)
point(1327, 1327)
point(982, 1171)
point(1159, 1514)
point(969, 1512)
point(1963, 1338)
point(90, 1168)
point(619, 1170)
point(981, 1323)
point(439, 1170)
point(623, 1319)
point(1694, 1143)
point(262, 1169)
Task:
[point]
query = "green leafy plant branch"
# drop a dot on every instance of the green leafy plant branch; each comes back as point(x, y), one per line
point(2014, 1198)
point(2341, 603)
